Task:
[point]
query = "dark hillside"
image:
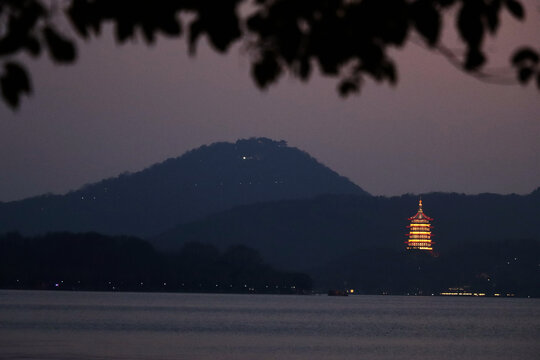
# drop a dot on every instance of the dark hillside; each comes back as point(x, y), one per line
point(202, 181)
point(301, 234)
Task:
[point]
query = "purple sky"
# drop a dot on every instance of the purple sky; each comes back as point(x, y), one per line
point(124, 108)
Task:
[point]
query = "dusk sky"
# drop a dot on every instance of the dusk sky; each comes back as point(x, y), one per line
point(124, 108)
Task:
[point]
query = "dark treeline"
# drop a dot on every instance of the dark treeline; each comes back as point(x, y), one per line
point(506, 267)
point(91, 261)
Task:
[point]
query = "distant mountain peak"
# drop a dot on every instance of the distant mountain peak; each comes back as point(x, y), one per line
point(202, 181)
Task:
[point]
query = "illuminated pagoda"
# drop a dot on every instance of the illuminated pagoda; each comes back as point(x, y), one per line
point(419, 231)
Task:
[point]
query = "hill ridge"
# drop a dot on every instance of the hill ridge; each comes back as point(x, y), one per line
point(208, 179)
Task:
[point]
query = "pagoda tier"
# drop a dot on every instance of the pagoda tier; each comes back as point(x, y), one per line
point(419, 236)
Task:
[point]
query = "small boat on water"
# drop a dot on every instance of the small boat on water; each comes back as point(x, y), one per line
point(338, 293)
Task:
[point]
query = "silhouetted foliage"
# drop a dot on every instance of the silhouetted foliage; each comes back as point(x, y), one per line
point(202, 181)
point(79, 261)
point(90, 261)
point(347, 39)
point(67, 261)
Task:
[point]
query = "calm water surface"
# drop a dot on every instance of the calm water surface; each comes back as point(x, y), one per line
point(103, 326)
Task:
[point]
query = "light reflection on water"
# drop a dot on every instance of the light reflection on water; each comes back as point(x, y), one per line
point(83, 325)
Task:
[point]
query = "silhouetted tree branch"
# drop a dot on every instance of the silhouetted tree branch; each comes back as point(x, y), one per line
point(346, 39)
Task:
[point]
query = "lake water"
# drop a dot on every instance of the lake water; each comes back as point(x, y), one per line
point(103, 326)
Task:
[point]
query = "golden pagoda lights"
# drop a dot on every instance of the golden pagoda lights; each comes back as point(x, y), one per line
point(419, 236)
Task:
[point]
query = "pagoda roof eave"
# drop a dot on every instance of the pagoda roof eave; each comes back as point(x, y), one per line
point(420, 216)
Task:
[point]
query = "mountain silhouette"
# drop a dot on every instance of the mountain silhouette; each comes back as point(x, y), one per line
point(306, 233)
point(202, 181)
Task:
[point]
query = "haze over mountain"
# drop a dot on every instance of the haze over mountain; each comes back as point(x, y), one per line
point(202, 181)
point(303, 234)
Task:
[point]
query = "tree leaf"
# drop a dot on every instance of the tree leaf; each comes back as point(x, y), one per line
point(9, 44)
point(149, 32)
point(170, 26)
point(474, 59)
point(492, 15)
point(349, 86)
point(124, 30)
point(266, 70)
point(61, 49)
point(304, 68)
point(470, 24)
point(80, 14)
point(525, 74)
point(525, 54)
point(427, 21)
point(195, 30)
point(222, 31)
point(33, 46)
point(389, 70)
point(14, 82)
point(515, 8)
